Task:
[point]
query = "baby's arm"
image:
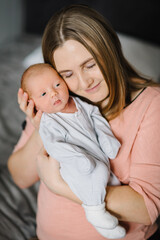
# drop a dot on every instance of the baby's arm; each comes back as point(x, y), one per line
point(108, 143)
point(53, 135)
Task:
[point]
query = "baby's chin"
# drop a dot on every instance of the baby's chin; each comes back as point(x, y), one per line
point(49, 111)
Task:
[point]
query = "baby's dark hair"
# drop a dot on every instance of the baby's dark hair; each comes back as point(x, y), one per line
point(32, 69)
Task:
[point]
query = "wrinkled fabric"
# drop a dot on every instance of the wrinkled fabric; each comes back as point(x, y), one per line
point(81, 142)
point(17, 209)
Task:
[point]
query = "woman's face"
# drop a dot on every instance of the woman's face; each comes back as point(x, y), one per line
point(80, 71)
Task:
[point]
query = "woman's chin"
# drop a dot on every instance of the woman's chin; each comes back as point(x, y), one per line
point(99, 99)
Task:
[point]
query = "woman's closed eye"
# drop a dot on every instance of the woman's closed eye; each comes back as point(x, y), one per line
point(90, 65)
point(66, 75)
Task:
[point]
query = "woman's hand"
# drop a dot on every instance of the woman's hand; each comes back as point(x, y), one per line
point(28, 107)
point(49, 172)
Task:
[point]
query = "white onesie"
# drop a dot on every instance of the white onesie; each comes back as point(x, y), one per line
point(82, 142)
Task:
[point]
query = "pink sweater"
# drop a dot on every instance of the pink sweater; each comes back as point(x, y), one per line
point(137, 164)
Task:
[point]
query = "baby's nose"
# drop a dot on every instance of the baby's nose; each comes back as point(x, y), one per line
point(53, 93)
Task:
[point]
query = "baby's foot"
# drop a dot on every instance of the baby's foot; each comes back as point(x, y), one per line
point(117, 232)
point(99, 217)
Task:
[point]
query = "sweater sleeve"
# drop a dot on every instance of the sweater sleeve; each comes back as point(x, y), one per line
point(145, 167)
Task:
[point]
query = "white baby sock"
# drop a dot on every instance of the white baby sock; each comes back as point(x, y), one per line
point(117, 232)
point(99, 217)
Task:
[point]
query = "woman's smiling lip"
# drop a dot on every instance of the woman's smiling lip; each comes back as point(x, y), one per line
point(90, 90)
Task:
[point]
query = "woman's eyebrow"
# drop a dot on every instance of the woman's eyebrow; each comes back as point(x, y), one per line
point(81, 65)
point(86, 61)
point(63, 71)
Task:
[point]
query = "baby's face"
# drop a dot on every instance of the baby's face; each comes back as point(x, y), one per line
point(48, 91)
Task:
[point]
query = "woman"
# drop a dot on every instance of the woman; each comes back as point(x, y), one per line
point(86, 52)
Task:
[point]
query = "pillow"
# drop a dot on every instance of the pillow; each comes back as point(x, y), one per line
point(34, 57)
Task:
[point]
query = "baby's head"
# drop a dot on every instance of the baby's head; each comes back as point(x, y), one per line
point(45, 87)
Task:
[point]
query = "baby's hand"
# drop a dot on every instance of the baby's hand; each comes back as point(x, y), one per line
point(28, 107)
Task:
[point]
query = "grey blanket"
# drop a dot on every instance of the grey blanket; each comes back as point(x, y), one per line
point(17, 209)
point(17, 206)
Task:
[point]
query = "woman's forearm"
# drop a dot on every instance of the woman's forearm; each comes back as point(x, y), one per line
point(122, 201)
point(22, 163)
point(127, 204)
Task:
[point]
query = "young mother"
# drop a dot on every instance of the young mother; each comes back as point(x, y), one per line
point(86, 52)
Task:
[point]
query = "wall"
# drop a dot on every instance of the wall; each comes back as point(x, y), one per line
point(137, 18)
point(11, 19)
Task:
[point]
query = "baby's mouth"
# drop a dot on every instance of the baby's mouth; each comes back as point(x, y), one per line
point(57, 102)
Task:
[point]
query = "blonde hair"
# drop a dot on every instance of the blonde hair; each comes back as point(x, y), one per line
point(85, 25)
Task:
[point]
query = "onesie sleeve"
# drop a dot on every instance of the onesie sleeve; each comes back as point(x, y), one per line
point(25, 135)
point(54, 137)
point(108, 143)
point(145, 160)
point(51, 131)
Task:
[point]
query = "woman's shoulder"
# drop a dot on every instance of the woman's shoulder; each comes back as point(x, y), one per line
point(155, 91)
point(146, 104)
point(149, 95)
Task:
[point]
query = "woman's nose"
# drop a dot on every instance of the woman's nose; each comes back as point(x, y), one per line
point(85, 81)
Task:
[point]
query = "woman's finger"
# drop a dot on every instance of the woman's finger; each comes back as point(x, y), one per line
point(42, 160)
point(43, 152)
point(55, 163)
point(30, 109)
point(37, 119)
point(24, 102)
point(20, 95)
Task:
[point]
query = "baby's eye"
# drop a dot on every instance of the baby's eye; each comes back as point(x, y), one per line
point(58, 84)
point(43, 94)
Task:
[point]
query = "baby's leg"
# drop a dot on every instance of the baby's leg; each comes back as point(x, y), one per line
point(97, 215)
point(94, 206)
point(91, 189)
point(116, 233)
